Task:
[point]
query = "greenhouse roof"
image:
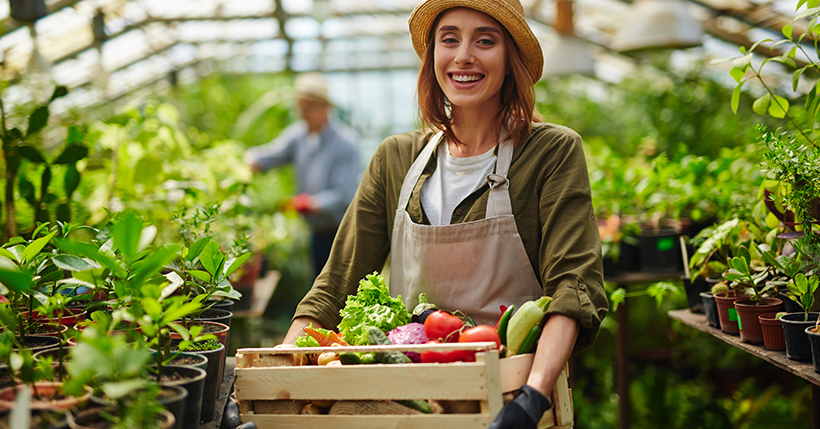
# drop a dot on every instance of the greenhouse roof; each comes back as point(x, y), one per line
point(103, 49)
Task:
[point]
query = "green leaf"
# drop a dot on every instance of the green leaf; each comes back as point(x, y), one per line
point(808, 12)
point(761, 105)
point(8, 255)
point(756, 44)
point(736, 97)
point(237, 263)
point(181, 311)
point(31, 154)
point(71, 181)
point(45, 180)
point(800, 3)
point(27, 190)
point(814, 3)
point(784, 59)
point(787, 31)
point(737, 74)
point(201, 275)
point(127, 236)
point(743, 63)
point(37, 120)
point(151, 265)
point(18, 281)
point(186, 336)
point(778, 107)
point(617, 297)
point(196, 248)
point(793, 52)
point(72, 154)
point(796, 77)
point(74, 263)
point(35, 247)
point(118, 389)
point(152, 308)
point(211, 258)
point(74, 135)
point(89, 251)
point(59, 91)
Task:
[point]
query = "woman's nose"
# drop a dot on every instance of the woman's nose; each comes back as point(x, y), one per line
point(464, 55)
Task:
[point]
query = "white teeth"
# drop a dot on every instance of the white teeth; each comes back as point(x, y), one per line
point(459, 78)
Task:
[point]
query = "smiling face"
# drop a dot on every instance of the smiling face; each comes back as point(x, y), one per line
point(470, 58)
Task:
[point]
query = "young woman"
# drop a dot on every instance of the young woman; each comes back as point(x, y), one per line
point(483, 207)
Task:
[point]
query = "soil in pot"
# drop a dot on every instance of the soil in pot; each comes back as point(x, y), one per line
point(69, 317)
point(772, 331)
point(710, 308)
point(172, 398)
point(220, 316)
point(726, 311)
point(186, 359)
point(213, 381)
point(37, 343)
point(218, 329)
point(794, 325)
point(193, 380)
point(46, 329)
point(747, 317)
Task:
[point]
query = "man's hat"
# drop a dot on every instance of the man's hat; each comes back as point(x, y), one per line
point(312, 87)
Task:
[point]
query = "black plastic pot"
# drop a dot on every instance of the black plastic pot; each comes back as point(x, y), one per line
point(693, 291)
point(222, 304)
point(37, 343)
point(202, 361)
point(172, 399)
point(710, 308)
point(213, 380)
point(660, 251)
point(794, 330)
point(220, 316)
point(629, 258)
point(789, 306)
point(194, 382)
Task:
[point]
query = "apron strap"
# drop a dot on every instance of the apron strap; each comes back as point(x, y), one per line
point(416, 169)
point(498, 204)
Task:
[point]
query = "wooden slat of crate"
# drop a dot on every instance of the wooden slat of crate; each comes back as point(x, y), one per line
point(358, 382)
point(422, 421)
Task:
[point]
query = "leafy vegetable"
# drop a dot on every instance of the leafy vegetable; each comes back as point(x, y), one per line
point(371, 306)
point(308, 341)
point(411, 333)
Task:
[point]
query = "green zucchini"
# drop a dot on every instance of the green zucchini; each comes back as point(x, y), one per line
point(375, 337)
point(528, 346)
point(349, 358)
point(368, 359)
point(418, 404)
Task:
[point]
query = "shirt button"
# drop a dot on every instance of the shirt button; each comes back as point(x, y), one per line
point(458, 212)
point(582, 287)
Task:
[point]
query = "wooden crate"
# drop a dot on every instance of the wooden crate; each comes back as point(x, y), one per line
point(265, 374)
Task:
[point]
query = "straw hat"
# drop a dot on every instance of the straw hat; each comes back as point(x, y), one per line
point(509, 13)
point(312, 87)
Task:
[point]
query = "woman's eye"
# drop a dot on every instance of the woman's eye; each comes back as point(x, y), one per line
point(449, 40)
point(486, 42)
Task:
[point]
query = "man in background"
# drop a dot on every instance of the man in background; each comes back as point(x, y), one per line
point(324, 153)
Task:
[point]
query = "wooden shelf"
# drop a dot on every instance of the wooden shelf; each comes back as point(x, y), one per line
point(803, 370)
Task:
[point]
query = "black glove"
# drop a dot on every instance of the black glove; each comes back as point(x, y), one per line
point(524, 412)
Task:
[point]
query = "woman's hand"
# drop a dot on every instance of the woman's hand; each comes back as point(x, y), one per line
point(297, 329)
point(554, 348)
point(524, 412)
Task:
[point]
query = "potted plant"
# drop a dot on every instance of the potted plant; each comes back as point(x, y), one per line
point(748, 310)
point(772, 331)
point(802, 291)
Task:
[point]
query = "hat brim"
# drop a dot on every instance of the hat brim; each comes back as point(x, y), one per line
point(426, 13)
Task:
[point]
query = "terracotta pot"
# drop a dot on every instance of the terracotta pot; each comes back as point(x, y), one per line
point(772, 331)
point(69, 317)
point(726, 311)
point(747, 317)
point(43, 388)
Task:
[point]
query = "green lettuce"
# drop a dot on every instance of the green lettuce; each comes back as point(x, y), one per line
point(371, 306)
point(308, 341)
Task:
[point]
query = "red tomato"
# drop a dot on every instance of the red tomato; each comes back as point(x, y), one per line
point(478, 334)
point(441, 357)
point(441, 325)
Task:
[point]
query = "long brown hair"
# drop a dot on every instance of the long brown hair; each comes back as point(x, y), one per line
point(517, 94)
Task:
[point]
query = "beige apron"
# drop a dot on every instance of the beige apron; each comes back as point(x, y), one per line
point(474, 266)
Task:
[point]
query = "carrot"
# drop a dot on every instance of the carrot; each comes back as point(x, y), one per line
point(325, 340)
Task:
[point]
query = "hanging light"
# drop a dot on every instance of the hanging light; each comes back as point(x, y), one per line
point(569, 55)
point(658, 24)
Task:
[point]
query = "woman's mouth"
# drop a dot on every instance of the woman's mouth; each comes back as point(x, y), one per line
point(466, 78)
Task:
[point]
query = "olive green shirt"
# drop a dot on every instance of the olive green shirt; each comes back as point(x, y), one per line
point(551, 202)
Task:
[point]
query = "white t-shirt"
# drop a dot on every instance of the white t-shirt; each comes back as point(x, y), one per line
point(453, 180)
